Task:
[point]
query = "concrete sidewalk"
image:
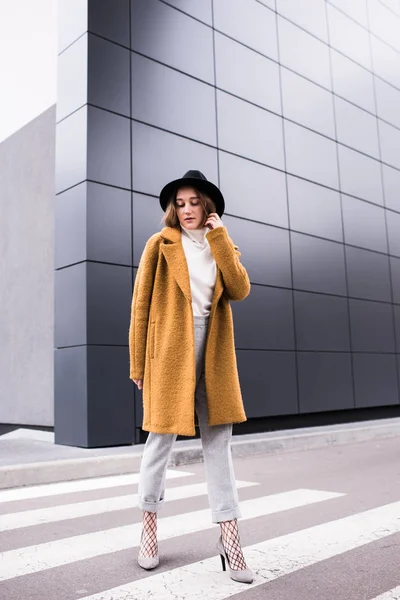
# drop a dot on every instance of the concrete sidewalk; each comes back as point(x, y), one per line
point(30, 457)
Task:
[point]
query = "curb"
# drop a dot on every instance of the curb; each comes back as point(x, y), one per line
point(189, 452)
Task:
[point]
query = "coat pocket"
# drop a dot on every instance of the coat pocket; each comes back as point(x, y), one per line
point(151, 339)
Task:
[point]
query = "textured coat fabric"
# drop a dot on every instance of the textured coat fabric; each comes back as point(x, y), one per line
point(161, 335)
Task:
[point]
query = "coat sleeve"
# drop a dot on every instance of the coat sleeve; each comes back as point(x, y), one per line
point(141, 299)
point(226, 254)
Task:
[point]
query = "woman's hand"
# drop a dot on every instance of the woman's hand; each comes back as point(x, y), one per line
point(139, 383)
point(213, 221)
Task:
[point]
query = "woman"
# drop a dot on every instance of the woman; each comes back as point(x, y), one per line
point(182, 354)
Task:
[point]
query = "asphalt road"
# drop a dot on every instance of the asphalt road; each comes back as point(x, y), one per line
point(317, 525)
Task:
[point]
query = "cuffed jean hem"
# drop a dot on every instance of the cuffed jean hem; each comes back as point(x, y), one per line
point(226, 515)
point(150, 506)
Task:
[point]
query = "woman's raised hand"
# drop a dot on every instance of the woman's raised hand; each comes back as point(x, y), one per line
point(213, 221)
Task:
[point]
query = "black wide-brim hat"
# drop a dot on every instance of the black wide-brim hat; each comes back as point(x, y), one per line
point(197, 180)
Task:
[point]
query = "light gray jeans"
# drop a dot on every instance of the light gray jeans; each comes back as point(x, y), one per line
point(222, 492)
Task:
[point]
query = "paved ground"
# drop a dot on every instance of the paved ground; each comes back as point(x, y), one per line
point(317, 525)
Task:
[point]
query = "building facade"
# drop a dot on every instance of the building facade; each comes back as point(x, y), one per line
point(293, 109)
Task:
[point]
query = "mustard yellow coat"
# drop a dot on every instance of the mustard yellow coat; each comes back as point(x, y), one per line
point(161, 335)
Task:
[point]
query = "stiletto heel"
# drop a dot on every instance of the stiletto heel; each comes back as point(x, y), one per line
point(243, 576)
point(223, 563)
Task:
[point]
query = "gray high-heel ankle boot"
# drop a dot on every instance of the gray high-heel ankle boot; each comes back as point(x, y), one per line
point(243, 576)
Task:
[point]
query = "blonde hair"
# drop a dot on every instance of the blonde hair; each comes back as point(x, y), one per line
point(171, 219)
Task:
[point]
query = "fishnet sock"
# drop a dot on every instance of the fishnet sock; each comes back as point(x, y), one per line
point(231, 543)
point(148, 542)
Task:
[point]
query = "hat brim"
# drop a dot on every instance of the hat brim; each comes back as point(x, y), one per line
point(202, 185)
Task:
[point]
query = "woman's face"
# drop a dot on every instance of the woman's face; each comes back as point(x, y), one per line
point(189, 209)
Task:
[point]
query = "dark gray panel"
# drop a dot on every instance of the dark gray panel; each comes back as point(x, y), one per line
point(70, 226)
point(93, 223)
point(159, 157)
point(109, 235)
point(166, 34)
point(371, 326)
point(364, 224)
point(265, 251)
point(322, 322)
point(249, 23)
point(388, 102)
point(147, 215)
point(252, 190)
point(109, 296)
point(268, 382)
point(110, 20)
point(375, 380)
point(70, 397)
point(72, 75)
point(348, 37)
point(386, 61)
point(72, 21)
point(368, 275)
point(360, 175)
point(391, 184)
point(249, 131)
point(308, 14)
point(110, 397)
point(395, 273)
point(200, 9)
point(393, 224)
point(324, 381)
point(71, 150)
point(108, 148)
point(303, 53)
point(247, 74)
point(352, 81)
point(318, 265)
point(314, 209)
point(307, 103)
point(390, 144)
point(356, 128)
point(70, 306)
point(264, 320)
point(152, 101)
point(310, 155)
point(108, 83)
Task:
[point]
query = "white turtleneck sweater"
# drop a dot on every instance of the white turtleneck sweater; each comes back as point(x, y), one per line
point(202, 269)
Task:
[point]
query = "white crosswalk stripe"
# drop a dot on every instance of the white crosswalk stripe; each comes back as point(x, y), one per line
point(96, 507)
point(393, 594)
point(270, 560)
point(81, 485)
point(32, 559)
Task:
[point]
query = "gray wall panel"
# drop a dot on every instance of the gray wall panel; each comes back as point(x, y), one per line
point(324, 381)
point(371, 326)
point(273, 375)
point(157, 31)
point(322, 322)
point(318, 265)
point(265, 251)
point(27, 273)
point(375, 380)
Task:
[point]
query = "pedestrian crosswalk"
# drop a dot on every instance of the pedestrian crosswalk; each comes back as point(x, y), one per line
point(83, 505)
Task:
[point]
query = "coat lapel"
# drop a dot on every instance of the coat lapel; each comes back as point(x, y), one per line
point(176, 260)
